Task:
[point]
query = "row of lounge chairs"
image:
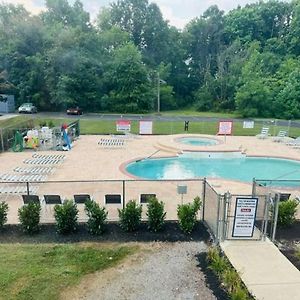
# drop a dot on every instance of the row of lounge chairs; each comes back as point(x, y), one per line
point(111, 142)
point(282, 137)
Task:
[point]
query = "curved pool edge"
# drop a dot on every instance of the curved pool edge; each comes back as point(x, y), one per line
point(123, 166)
point(208, 137)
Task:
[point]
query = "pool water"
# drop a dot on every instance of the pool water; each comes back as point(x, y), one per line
point(221, 165)
point(197, 141)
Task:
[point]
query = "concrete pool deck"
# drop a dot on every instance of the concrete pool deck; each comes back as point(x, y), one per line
point(265, 271)
point(90, 161)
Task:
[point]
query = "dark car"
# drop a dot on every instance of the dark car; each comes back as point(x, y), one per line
point(74, 111)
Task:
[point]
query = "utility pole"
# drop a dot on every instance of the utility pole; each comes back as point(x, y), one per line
point(158, 93)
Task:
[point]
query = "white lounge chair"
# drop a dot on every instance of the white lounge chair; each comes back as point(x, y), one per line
point(264, 133)
point(294, 142)
point(281, 136)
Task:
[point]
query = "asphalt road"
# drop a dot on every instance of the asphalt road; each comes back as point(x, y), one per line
point(155, 117)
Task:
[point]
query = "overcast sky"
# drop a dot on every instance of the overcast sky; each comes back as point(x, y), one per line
point(178, 12)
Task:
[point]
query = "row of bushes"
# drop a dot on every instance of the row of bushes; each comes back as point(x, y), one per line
point(228, 276)
point(66, 216)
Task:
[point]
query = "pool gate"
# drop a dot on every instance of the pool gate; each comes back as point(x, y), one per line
point(240, 217)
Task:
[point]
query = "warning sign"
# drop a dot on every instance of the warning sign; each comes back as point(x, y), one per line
point(244, 217)
point(225, 128)
point(123, 125)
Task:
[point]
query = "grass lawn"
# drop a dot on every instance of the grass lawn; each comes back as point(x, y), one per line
point(42, 271)
point(191, 112)
point(94, 126)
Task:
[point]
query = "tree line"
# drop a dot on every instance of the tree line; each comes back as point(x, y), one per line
point(246, 60)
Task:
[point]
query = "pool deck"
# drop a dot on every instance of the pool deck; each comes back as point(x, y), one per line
point(265, 271)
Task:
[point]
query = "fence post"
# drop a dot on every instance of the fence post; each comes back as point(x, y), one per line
point(203, 198)
point(218, 220)
point(266, 217)
point(253, 187)
point(227, 200)
point(27, 186)
point(2, 142)
point(275, 219)
point(123, 185)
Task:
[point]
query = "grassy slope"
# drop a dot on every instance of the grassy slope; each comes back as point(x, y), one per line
point(42, 271)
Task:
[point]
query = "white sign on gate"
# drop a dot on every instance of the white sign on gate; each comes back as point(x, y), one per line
point(248, 124)
point(146, 127)
point(244, 217)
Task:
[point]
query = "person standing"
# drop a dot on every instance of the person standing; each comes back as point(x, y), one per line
point(186, 125)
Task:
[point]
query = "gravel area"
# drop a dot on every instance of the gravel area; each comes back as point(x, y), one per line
point(158, 271)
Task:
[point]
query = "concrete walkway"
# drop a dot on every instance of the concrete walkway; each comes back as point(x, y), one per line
point(267, 273)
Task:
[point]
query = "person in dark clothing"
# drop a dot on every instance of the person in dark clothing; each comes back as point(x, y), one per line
point(186, 125)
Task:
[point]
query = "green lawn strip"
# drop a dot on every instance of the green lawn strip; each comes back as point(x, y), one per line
point(94, 126)
point(191, 112)
point(43, 271)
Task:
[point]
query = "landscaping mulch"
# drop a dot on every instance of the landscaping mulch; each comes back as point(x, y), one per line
point(288, 241)
point(113, 233)
point(211, 279)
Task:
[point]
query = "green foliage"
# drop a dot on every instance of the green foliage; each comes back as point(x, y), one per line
point(51, 124)
point(187, 215)
point(97, 217)
point(227, 275)
point(130, 216)
point(29, 216)
point(41, 267)
point(156, 214)
point(219, 264)
point(219, 61)
point(286, 212)
point(66, 216)
point(3, 213)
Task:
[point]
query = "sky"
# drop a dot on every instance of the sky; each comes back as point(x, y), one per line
point(178, 12)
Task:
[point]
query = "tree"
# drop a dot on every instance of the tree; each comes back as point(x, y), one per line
point(128, 84)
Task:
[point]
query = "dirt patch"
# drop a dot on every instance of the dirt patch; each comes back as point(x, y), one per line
point(166, 271)
point(113, 233)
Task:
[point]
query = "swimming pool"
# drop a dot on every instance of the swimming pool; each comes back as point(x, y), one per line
point(197, 141)
point(234, 166)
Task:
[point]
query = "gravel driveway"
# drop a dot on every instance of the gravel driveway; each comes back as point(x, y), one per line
point(159, 271)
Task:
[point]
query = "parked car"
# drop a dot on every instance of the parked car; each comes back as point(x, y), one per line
point(27, 108)
point(74, 111)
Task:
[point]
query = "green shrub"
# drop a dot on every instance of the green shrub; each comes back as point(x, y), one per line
point(29, 216)
point(231, 279)
point(239, 293)
point(66, 216)
point(286, 212)
point(3, 213)
point(51, 124)
point(97, 217)
point(218, 264)
point(227, 275)
point(130, 216)
point(156, 214)
point(187, 214)
point(43, 123)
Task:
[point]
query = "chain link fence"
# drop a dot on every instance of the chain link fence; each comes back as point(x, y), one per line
point(111, 194)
